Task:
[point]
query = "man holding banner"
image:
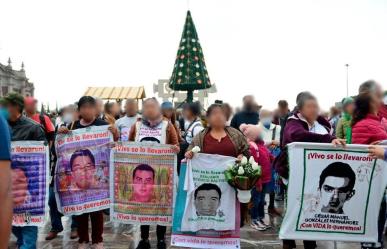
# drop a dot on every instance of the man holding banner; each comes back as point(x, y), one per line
point(153, 128)
point(23, 129)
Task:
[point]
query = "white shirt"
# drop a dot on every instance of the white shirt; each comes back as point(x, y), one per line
point(267, 134)
point(124, 124)
point(318, 128)
point(193, 130)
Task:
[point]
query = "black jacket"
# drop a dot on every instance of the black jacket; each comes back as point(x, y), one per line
point(244, 117)
point(25, 129)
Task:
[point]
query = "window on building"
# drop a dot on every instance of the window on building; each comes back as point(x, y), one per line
point(4, 90)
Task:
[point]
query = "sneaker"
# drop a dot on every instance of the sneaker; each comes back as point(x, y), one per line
point(371, 245)
point(264, 223)
point(51, 235)
point(161, 245)
point(74, 234)
point(258, 227)
point(83, 245)
point(143, 244)
point(98, 246)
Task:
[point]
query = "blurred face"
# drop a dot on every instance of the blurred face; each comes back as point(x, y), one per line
point(168, 113)
point(376, 103)
point(187, 114)
point(84, 171)
point(115, 109)
point(88, 112)
point(30, 107)
point(350, 108)
point(143, 184)
point(266, 117)
point(334, 193)
point(283, 110)
point(217, 118)
point(131, 108)
point(310, 110)
point(151, 110)
point(249, 103)
point(14, 112)
point(207, 202)
point(19, 187)
point(99, 107)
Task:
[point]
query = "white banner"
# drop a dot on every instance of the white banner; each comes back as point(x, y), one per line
point(333, 193)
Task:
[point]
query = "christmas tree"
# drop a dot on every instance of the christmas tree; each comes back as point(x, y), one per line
point(189, 72)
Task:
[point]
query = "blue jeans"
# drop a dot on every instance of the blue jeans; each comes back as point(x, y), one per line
point(257, 212)
point(26, 236)
point(55, 216)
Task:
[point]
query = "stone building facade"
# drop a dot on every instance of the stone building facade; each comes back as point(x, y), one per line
point(14, 81)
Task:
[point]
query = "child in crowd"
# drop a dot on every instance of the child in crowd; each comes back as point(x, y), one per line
point(263, 157)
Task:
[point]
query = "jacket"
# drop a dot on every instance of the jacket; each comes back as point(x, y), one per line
point(263, 157)
point(244, 117)
point(25, 129)
point(344, 128)
point(368, 130)
point(297, 130)
point(237, 138)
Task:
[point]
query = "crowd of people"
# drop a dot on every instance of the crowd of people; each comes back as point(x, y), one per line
point(252, 130)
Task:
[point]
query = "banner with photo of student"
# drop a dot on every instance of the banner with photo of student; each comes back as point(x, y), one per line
point(333, 193)
point(82, 170)
point(142, 189)
point(30, 167)
point(206, 211)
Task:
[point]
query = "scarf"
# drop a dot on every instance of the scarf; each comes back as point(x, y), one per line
point(348, 127)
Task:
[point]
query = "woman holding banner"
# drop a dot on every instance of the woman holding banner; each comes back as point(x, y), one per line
point(154, 128)
point(367, 128)
point(87, 108)
point(305, 125)
point(220, 139)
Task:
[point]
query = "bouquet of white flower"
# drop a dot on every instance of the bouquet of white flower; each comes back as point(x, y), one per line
point(243, 176)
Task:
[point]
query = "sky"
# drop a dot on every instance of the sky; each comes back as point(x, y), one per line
point(271, 49)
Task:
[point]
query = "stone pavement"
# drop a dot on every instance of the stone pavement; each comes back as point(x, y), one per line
point(126, 236)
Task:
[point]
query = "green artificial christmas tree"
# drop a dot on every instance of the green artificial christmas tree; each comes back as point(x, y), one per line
point(189, 72)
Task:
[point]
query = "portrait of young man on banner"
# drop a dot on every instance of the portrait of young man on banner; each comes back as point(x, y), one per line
point(336, 185)
point(332, 193)
point(142, 183)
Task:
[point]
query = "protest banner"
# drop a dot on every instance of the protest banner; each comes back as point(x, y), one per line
point(142, 189)
point(30, 167)
point(206, 212)
point(333, 193)
point(82, 170)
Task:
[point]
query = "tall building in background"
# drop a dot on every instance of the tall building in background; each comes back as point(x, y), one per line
point(14, 80)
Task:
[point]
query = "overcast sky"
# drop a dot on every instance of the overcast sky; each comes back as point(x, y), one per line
point(272, 49)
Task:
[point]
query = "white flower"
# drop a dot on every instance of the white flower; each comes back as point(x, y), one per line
point(244, 160)
point(196, 149)
point(255, 166)
point(241, 171)
point(229, 167)
point(251, 160)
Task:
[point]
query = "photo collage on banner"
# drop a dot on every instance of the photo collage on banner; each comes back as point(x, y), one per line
point(206, 213)
point(142, 186)
point(333, 193)
point(30, 167)
point(82, 170)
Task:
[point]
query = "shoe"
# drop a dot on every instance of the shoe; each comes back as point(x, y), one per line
point(161, 245)
point(258, 227)
point(83, 245)
point(263, 223)
point(97, 246)
point(371, 245)
point(51, 235)
point(74, 234)
point(143, 244)
point(274, 212)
